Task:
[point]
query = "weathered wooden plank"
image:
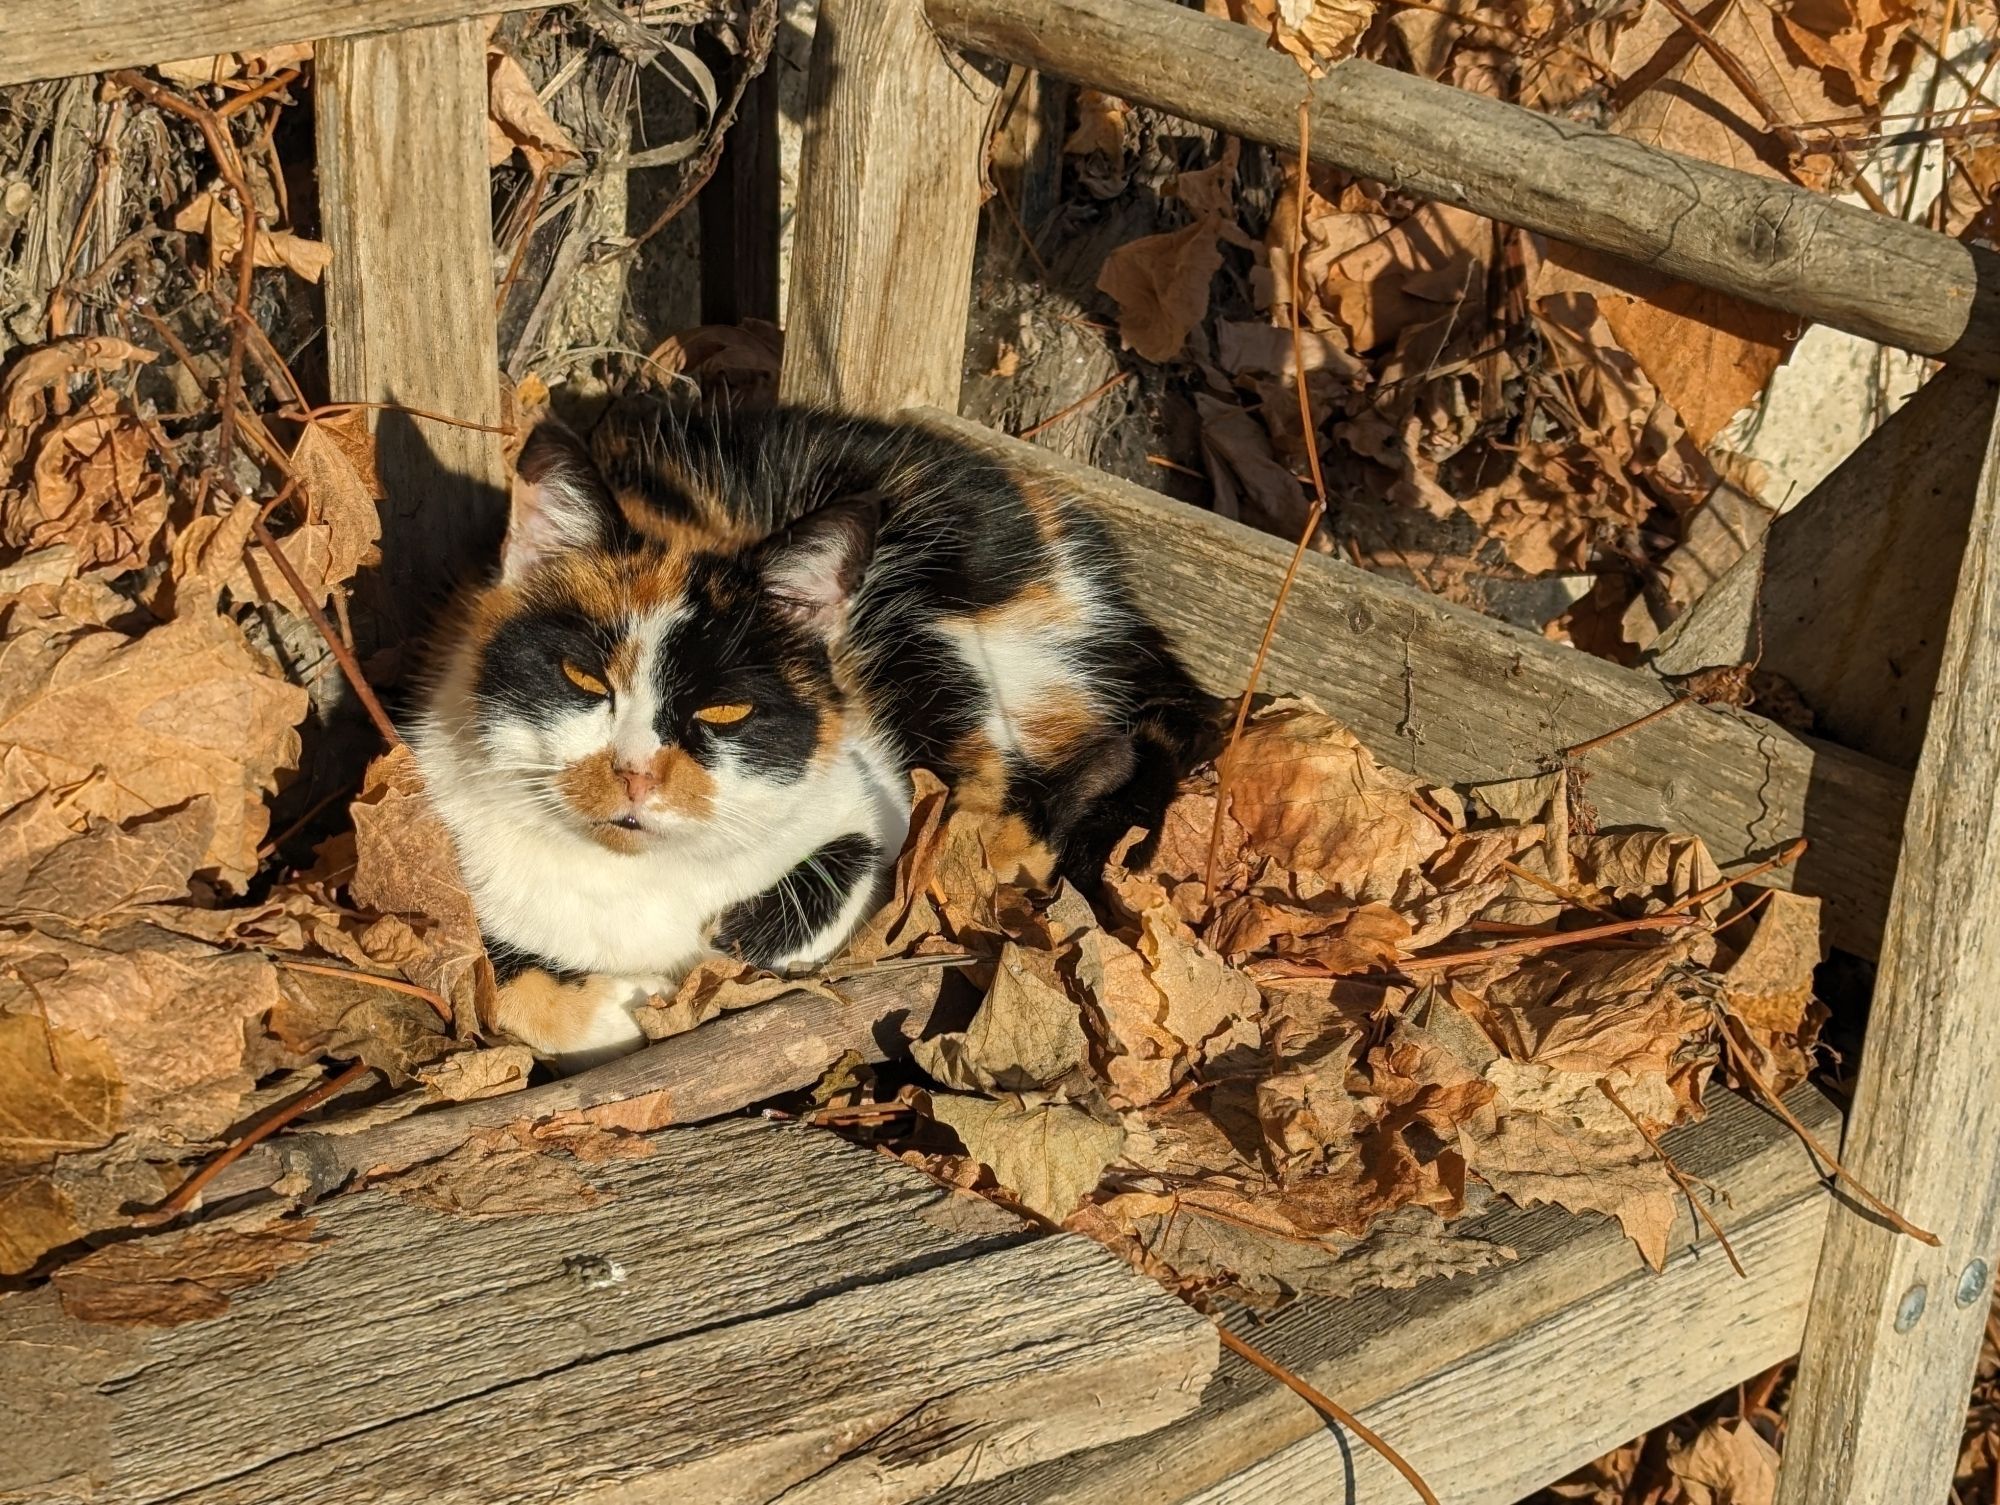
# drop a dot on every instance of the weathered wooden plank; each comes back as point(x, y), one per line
point(1569, 1389)
point(752, 1311)
point(727, 1064)
point(1895, 1325)
point(1767, 241)
point(54, 38)
point(1456, 697)
point(1848, 593)
point(882, 262)
point(1372, 1347)
point(404, 197)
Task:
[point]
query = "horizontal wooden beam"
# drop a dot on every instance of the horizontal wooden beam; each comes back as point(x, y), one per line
point(1458, 698)
point(1417, 1363)
point(56, 38)
point(1763, 240)
point(769, 1309)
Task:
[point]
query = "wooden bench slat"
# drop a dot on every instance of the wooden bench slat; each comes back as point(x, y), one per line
point(785, 1307)
point(1573, 1274)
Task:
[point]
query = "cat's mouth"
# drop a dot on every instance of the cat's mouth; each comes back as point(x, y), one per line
point(625, 823)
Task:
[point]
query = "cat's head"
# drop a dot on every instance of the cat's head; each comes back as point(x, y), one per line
point(646, 669)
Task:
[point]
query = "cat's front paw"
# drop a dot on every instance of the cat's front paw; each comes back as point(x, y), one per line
point(575, 1023)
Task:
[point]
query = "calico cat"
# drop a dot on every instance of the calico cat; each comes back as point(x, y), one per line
point(681, 719)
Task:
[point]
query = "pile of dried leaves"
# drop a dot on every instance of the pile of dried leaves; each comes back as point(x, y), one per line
point(1493, 410)
point(1390, 1005)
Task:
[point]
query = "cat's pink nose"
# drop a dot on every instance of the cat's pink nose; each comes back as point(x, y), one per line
point(638, 783)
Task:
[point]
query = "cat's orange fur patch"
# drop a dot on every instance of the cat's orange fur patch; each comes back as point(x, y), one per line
point(1035, 608)
point(687, 787)
point(622, 665)
point(556, 1016)
point(1058, 728)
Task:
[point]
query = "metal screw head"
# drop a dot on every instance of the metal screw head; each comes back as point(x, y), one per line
point(1972, 1282)
point(1911, 1307)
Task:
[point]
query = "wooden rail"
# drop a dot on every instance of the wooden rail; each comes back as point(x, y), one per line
point(1766, 241)
point(56, 38)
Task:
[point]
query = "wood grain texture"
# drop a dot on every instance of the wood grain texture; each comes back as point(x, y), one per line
point(55, 38)
point(1454, 697)
point(1848, 594)
point(1767, 241)
point(882, 260)
point(742, 1058)
point(749, 1312)
point(1877, 1412)
point(1525, 1411)
point(1367, 1349)
point(404, 196)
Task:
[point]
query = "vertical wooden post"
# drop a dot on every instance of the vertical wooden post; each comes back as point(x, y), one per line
point(888, 212)
point(1894, 1327)
point(406, 202)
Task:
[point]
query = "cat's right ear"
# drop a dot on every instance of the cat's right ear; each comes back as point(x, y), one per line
point(560, 502)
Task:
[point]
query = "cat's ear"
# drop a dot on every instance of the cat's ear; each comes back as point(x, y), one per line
point(812, 568)
point(560, 502)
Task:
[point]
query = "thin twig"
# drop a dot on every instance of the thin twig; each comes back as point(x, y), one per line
point(342, 654)
point(1313, 513)
point(373, 979)
point(189, 1189)
point(1680, 1178)
point(1076, 407)
point(330, 409)
point(1722, 886)
point(1327, 1407)
point(1740, 1054)
point(1533, 943)
point(1631, 726)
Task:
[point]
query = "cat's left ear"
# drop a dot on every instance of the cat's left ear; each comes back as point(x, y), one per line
point(812, 569)
point(559, 502)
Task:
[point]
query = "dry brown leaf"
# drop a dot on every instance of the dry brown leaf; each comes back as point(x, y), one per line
point(353, 1019)
point(498, 1173)
point(1160, 283)
point(716, 986)
point(735, 362)
point(335, 460)
point(1103, 124)
point(207, 216)
point(186, 710)
point(517, 119)
point(1316, 33)
point(1211, 190)
point(84, 870)
point(1727, 1463)
point(404, 867)
point(37, 386)
point(93, 487)
point(1137, 1055)
point(1050, 1155)
point(1309, 795)
point(1852, 39)
point(1028, 1034)
point(1553, 1136)
point(186, 1275)
point(468, 1075)
point(1250, 481)
point(908, 918)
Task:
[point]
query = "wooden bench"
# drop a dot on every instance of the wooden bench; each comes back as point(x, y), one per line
point(798, 1318)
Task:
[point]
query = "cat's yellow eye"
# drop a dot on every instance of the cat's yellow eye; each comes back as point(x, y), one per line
point(722, 715)
point(590, 684)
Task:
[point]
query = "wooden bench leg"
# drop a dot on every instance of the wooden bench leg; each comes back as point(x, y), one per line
point(888, 212)
point(406, 200)
point(1894, 1327)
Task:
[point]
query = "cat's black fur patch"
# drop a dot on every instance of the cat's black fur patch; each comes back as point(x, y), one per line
point(786, 917)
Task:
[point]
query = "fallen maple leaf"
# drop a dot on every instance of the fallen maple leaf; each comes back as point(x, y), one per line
point(92, 487)
point(1160, 283)
point(207, 216)
point(1048, 1154)
point(1727, 1463)
point(1028, 1034)
point(1309, 795)
point(404, 867)
point(186, 710)
point(516, 119)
